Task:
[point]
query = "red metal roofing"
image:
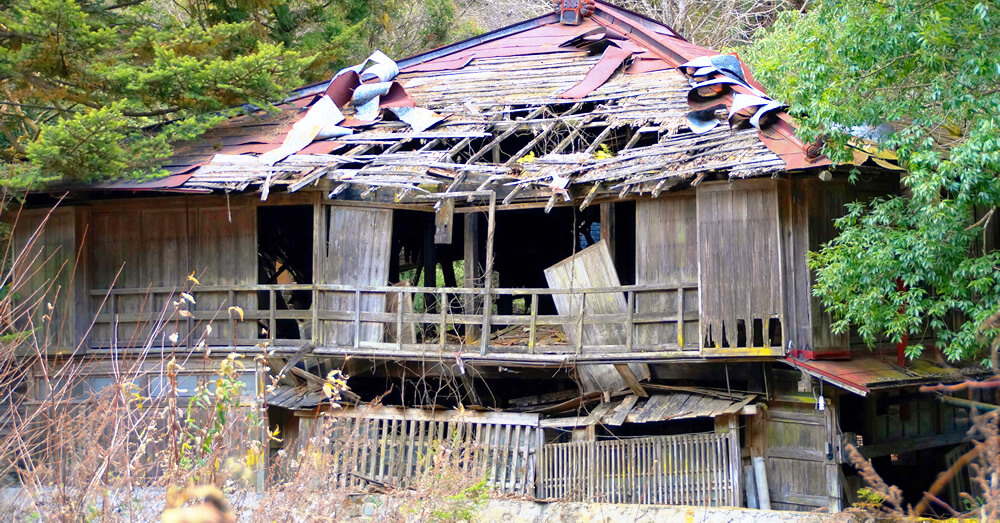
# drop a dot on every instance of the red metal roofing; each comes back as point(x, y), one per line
point(654, 46)
point(863, 374)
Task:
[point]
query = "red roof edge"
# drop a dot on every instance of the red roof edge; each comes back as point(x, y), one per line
point(857, 388)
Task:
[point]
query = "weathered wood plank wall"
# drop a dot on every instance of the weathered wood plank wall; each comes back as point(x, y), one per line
point(739, 254)
point(666, 242)
point(159, 246)
point(45, 252)
point(355, 246)
point(792, 439)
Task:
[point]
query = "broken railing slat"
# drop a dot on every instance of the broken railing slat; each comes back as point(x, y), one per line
point(272, 321)
point(533, 327)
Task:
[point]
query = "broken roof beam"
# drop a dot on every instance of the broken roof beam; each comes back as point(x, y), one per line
point(599, 139)
point(499, 139)
point(542, 135)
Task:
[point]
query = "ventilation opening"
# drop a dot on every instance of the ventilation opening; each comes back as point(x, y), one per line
point(774, 332)
point(757, 338)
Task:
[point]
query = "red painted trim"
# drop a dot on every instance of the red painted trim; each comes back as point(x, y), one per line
point(809, 354)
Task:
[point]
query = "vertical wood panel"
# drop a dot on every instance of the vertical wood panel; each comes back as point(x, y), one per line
point(740, 263)
point(356, 252)
point(224, 252)
point(46, 255)
point(666, 253)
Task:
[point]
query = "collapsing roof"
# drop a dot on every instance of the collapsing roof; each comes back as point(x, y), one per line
point(616, 104)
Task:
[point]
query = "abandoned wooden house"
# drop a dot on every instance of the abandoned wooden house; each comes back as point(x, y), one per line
point(574, 248)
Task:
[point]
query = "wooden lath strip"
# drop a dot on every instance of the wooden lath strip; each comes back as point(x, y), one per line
point(320, 172)
point(541, 136)
point(503, 136)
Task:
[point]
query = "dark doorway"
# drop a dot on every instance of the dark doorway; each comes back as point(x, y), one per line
point(285, 256)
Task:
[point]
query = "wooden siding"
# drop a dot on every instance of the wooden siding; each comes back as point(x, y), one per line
point(397, 446)
point(224, 252)
point(45, 247)
point(809, 208)
point(690, 469)
point(666, 243)
point(740, 264)
point(156, 247)
point(355, 248)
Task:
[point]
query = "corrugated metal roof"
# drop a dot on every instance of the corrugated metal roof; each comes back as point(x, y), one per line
point(508, 87)
point(864, 374)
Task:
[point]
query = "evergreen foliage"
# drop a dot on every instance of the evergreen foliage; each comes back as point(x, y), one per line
point(100, 89)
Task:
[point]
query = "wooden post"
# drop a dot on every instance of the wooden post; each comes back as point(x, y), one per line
point(760, 475)
point(680, 318)
point(443, 327)
point(357, 318)
point(399, 321)
point(444, 218)
point(316, 338)
point(430, 267)
point(319, 259)
point(630, 304)
point(473, 271)
point(484, 339)
point(608, 226)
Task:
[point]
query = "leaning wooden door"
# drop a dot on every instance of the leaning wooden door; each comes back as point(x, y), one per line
point(802, 470)
point(353, 250)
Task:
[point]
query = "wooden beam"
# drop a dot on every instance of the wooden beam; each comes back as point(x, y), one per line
point(631, 380)
point(473, 271)
point(444, 219)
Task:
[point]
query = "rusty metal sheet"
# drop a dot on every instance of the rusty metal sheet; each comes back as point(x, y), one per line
point(610, 61)
point(863, 374)
point(341, 88)
point(441, 65)
point(396, 97)
point(322, 147)
point(647, 66)
point(174, 181)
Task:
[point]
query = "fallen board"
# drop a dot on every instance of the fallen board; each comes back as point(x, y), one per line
point(592, 268)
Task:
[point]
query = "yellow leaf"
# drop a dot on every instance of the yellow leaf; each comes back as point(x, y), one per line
point(185, 313)
point(192, 279)
point(237, 310)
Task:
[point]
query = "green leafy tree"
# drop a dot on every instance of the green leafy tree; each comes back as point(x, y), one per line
point(101, 89)
point(929, 69)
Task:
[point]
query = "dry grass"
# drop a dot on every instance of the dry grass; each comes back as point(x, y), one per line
point(145, 439)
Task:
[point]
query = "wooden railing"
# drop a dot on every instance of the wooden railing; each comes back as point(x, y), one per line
point(690, 469)
point(658, 319)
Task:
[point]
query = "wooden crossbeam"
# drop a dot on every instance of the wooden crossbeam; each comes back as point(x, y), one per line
point(503, 136)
